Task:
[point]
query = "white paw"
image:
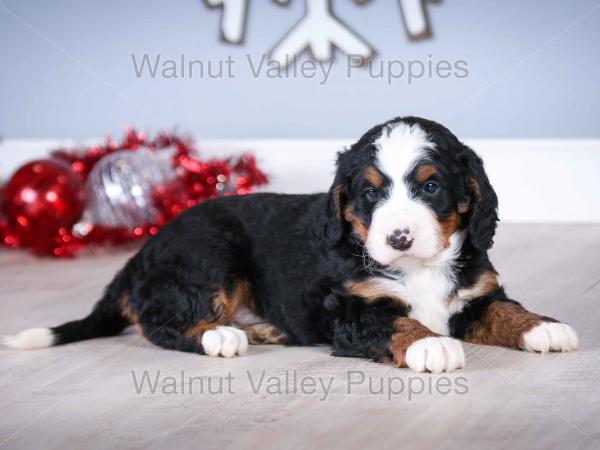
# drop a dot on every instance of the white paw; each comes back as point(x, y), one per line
point(551, 336)
point(225, 341)
point(435, 354)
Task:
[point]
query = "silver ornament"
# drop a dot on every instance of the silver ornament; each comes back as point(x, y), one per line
point(121, 185)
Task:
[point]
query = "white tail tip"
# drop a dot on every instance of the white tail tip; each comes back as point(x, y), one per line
point(30, 339)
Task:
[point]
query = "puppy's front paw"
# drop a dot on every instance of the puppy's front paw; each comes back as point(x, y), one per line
point(435, 354)
point(550, 336)
point(225, 341)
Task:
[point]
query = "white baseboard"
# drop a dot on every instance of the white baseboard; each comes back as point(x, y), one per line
point(536, 180)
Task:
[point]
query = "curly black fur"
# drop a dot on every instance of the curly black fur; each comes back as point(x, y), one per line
point(296, 252)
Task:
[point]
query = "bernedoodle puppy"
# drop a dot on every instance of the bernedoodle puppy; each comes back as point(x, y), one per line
point(391, 264)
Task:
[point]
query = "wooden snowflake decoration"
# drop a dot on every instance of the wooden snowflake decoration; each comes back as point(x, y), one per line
point(319, 31)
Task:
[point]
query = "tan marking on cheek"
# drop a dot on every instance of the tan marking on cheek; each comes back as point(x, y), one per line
point(407, 332)
point(374, 177)
point(448, 227)
point(265, 333)
point(504, 323)
point(473, 187)
point(425, 172)
point(358, 227)
point(485, 284)
point(372, 291)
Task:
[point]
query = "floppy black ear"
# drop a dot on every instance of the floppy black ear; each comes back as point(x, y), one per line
point(483, 202)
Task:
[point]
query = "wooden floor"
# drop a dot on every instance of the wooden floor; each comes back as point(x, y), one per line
point(84, 395)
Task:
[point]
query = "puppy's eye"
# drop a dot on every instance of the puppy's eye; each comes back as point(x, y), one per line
point(371, 194)
point(430, 187)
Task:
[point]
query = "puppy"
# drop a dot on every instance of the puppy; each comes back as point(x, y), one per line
point(391, 264)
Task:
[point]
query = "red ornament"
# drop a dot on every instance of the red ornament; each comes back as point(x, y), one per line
point(40, 199)
point(43, 201)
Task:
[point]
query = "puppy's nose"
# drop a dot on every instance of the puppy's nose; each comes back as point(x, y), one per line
point(399, 232)
point(399, 240)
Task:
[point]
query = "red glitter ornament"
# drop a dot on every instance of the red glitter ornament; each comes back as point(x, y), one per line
point(41, 198)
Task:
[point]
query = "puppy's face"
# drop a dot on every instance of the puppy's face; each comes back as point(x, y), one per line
point(411, 189)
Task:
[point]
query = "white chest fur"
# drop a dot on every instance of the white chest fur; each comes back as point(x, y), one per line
point(428, 292)
point(428, 287)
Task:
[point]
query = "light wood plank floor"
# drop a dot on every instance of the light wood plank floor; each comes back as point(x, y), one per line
point(84, 395)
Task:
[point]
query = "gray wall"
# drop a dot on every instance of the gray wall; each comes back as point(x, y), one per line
point(66, 70)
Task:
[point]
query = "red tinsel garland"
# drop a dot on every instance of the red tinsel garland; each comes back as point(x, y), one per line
point(196, 181)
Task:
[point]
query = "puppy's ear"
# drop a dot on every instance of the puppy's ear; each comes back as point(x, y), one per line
point(482, 204)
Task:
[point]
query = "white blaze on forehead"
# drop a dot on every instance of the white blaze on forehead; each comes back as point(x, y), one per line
point(400, 148)
point(426, 278)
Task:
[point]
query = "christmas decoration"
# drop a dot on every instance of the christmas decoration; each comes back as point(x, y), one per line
point(233, 20)
point(43, 202)
point(120, 188)
point(416, 20)
point(319, 30)
point(40, 198)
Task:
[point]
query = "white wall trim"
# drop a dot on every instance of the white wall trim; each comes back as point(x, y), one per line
point(541, 180)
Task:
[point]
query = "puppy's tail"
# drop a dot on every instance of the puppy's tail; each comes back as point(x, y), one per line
point(106, 319)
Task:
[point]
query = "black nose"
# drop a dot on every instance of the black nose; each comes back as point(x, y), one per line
point(399, 241)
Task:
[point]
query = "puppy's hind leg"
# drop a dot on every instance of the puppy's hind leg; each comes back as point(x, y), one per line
point(184, 317)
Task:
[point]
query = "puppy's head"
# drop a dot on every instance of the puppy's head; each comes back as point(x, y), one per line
point(407, 189)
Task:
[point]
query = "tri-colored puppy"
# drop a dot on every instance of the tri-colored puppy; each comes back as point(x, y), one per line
point(390, 264)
